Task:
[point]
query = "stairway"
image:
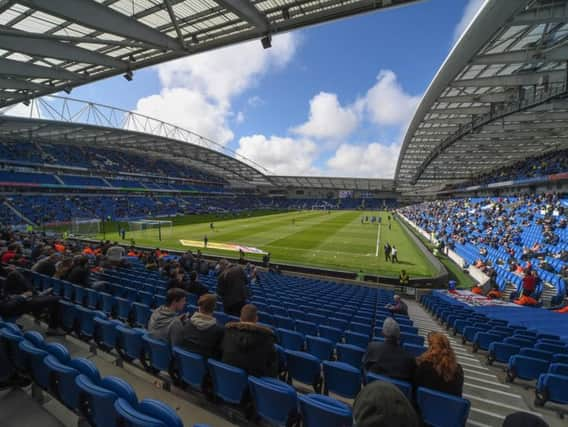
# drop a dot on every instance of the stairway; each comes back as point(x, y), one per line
point(491, 399)
point(508, 291)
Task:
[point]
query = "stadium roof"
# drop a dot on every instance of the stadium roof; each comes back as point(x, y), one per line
point(333, 183)
point(47, 46)
point(499, 97)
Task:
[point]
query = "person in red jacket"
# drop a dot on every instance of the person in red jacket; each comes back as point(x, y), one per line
point(529, 282)
point(10, 254)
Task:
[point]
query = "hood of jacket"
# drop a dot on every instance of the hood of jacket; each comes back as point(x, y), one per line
point(202, 322)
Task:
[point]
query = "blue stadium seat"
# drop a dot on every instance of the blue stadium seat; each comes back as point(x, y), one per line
point(351, 354)
point(341, 378)
point(361, 328)
point(142, 313)
point(403, 386)
point(107, 303)
point(290, 340)
point(552, 348)
point(148, 413)
point(482, 340)
point(275, 401)
point(306, 328)
point(229, 382)
point(501, 352)
point(526, 368)
point(157, 354)
point(191, 367)
point(105, 333)
point(335, 322)
point(305, 368)
point(97, 400)
point(123, 307)
point(553, 388)
point(536, 353)
point(324, 411)
point(93, 299)
point(558, 368)
point(357, 339)
point(322, 348)
point(68, 315)
point(441, 409)
point(560, 358)
point(414, 349)
point(333, 334)
point(411, 339)
point(129, 343)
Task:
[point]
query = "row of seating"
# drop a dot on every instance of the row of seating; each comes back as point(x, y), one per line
point(529, 355)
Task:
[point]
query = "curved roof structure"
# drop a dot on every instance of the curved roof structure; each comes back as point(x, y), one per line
point(333, 183)
point(499, 97)
point(47, 46)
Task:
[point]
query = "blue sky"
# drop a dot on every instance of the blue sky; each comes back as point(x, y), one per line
point(327, 100)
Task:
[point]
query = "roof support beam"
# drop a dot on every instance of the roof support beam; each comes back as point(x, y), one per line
point(43, 46)
point(103, 18)
point(17, 68)
point(486, 98)
point(534, 56)
point(19, 84)
point(174, 21)
point(244, 9)
point(526, 79)
point(542, 15)
point(469, 111)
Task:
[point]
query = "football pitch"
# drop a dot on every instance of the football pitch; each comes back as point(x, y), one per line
point(333, 240)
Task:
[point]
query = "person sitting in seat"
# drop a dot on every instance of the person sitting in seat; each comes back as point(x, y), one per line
point(399, 306)
point(79, 273)
point(529, 287)
point(494, 293)
point(163, 317)
point(250, 346)
point(389, 358)
point(201, 333)
point(17, 298)
point(438, 368)
point(195, 286)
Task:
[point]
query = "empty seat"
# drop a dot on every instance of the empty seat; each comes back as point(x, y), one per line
point(123, 307)
point(552, 348)
point(105, 333)
point(147, 413)
point(558, 368)
point(403, 386)
point(305, 368)
point(361, 328)
point(536, 353)
point(322, 348)
point(357, 339)
point(551, 387)
point(501, 352)
point(482, 340)
point(411, 339)
point(320, 411)
point(142, 313)
point(229, 382)
point(191, 367)
point(341, 378)
point(441, 409)
point(129, 343)
point(306, 328)
point(331, 333)
point(290, 340)
point(283, 322)
point(414, 349)
point(274, 400)
point(157, 354)
point(350, 354)
point(526, 368)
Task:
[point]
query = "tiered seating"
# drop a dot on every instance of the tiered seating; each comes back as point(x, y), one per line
point(529, 354)
point(323, 329)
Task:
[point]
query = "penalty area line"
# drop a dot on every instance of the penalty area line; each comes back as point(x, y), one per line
point(378, 238)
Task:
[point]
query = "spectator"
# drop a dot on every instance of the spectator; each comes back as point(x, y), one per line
point(163, 317)
point(46, 266)
point(17, 298)
point(250, 346)
point(177, 280)
point(399, 306)
point(529, 282)
point(115, 254)
point(195, 286)
point(524, 419)
point(381, 404)
point(79, 273)
point(201, 333)
point(10, 254)
point(438, 368)
point(389, 358)
point(394, 253)
point(232, 288)
point(403, 278)
point(62, 268)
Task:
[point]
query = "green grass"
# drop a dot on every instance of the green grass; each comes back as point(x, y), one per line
point(335, 240)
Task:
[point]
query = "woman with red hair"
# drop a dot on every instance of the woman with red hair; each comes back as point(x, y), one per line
point(438, 368)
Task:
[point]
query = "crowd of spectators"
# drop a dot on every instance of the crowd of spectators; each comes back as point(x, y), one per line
point(518, 234)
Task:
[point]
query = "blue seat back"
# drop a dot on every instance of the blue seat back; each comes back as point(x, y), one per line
point(341, 378)
point(322, 348)
point(350, 354)
point(192, 367)
point(229, 382)
point(304, 367)
point(441, 409)
point(274, 400)
point(403, 386)
point(157, 353)
point(323, 411)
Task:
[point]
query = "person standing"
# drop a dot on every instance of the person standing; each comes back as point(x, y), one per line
point(403, 278)
point(205, 240)
point(232, 288)
point(394, 254)
point(387, 252)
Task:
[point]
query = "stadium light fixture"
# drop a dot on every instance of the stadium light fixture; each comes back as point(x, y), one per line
point(128, 75)
point(266, 41)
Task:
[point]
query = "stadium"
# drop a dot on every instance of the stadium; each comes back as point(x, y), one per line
point(156, 275)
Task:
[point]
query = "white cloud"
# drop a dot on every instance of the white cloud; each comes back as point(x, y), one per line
point(255, 101)
point(197, 91)
point(471, 9)
point(370, 161)
point(240, 117)
point(224, 73)
point(189, 109)
point(328, 119)
point(281, 156)
point(388, 103)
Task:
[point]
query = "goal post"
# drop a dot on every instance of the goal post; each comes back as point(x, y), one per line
point(150, 229)
point(89, 227)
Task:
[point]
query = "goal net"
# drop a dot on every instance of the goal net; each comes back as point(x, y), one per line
point(85, 227)
point(150, 228)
